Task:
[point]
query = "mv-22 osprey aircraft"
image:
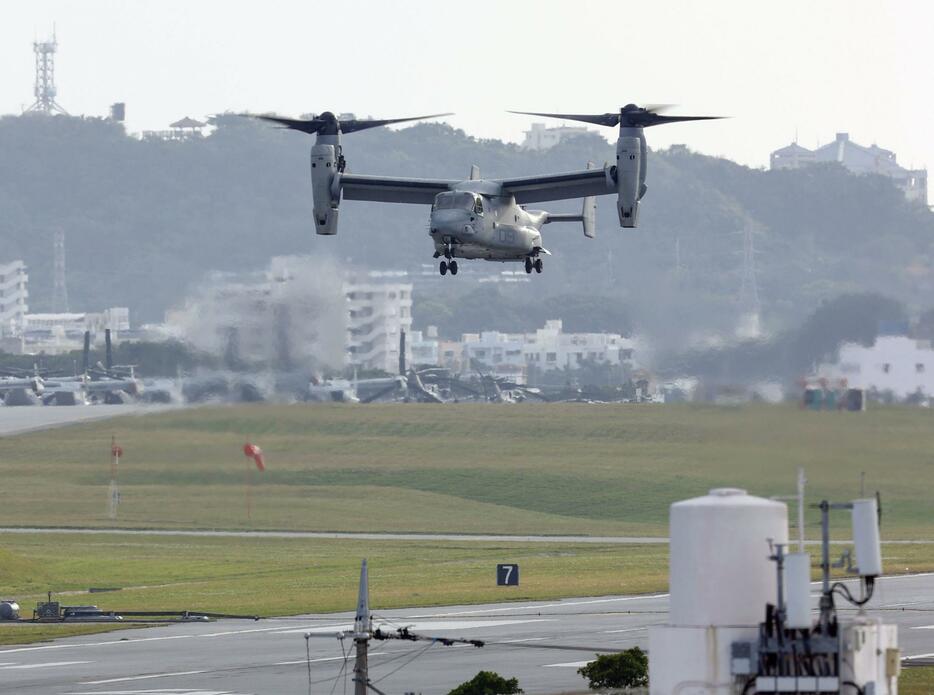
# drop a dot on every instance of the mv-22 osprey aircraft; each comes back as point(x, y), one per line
point(485, 218)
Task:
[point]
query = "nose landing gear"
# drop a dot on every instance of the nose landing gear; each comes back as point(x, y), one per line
point(536, 265)
point(446, 266)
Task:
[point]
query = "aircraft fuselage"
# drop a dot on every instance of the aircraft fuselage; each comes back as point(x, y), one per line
point(476, 220)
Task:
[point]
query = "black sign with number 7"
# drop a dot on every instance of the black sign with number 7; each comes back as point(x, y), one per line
point(507, 575)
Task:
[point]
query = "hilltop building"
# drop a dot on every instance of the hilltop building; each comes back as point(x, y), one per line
point(541, 137)
point(13, 296)
point(857, 158)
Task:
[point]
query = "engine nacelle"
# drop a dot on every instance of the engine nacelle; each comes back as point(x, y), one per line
point(628, 180)
point(323, 175)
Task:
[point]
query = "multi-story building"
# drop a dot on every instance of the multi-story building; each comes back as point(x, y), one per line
point(898, 364)
point(56, 333)
point(499, 353)
point(13, 298)
point(513, 354)
point(290, 315)
point(551, 348)
point(860, 160)
point(377, 312)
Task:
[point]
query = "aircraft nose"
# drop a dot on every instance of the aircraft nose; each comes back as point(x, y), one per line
point(452, 222)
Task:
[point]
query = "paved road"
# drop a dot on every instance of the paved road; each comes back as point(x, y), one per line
point(17, 420)
point(476, 538)
point(625, 540)
point(266, 657)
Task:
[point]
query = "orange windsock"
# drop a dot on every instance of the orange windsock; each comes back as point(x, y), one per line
point(254, 452)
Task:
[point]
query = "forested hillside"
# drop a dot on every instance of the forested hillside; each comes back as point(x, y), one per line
point(146, 219)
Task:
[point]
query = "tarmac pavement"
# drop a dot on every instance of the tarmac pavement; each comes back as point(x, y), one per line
point(540, 643)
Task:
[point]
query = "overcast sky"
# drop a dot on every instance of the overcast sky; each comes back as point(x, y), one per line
point(778, 68)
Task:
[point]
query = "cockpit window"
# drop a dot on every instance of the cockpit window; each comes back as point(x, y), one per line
point(478, 206)
point(454, 201)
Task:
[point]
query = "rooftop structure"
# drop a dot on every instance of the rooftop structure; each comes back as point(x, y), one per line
point(857, 158)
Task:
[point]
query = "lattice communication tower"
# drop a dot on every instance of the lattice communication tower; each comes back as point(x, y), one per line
point(45, 91)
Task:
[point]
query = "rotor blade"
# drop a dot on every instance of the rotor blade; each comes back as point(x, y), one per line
point(607, 119)
point(311, 127)
point(661, 120)
point(379, 394)
point(354, 125)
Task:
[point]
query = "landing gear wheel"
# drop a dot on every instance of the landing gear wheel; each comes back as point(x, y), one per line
point(453, 266)
point(443, 267)
point(528, 264)
point(538, 265)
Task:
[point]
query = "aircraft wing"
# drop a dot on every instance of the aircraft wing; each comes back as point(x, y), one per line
point(391, 189)
point(574, 184)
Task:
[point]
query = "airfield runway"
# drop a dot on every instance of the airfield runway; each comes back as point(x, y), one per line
point(268, 657)
point(17, 420)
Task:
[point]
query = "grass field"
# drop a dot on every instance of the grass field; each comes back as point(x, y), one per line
point(267, 577)
point(273, 576)
point(551, 469)
point(541, 469)
point(916, 681)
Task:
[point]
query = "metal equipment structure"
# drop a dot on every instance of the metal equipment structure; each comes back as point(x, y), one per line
point(793, 653)
point(729, 566)
point(45, 90)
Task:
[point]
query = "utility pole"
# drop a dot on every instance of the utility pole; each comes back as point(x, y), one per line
point(802, 481)
point(362, 632)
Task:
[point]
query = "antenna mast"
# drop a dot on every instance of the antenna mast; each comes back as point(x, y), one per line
point(59, 288)
point(44, 90)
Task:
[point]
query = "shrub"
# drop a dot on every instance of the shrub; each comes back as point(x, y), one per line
point(488, 683)
point(628, 669)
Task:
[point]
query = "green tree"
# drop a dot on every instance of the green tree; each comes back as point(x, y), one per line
point(488, 683)
point(628, 669)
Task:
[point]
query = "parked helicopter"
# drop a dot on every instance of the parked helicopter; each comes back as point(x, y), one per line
point(483, 218)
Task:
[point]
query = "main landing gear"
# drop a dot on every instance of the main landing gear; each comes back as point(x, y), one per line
point(537, 265)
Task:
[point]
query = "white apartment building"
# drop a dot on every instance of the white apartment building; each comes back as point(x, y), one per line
point(548, 348)
point(551, 348)
point(57, 333)
point(13, 298)
point(859, 159)
point(377, 312)
point(894, 363)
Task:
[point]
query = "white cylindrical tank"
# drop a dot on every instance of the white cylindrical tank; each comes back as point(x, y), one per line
point(720, 570)
point(798, 591)
point(866, 538)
